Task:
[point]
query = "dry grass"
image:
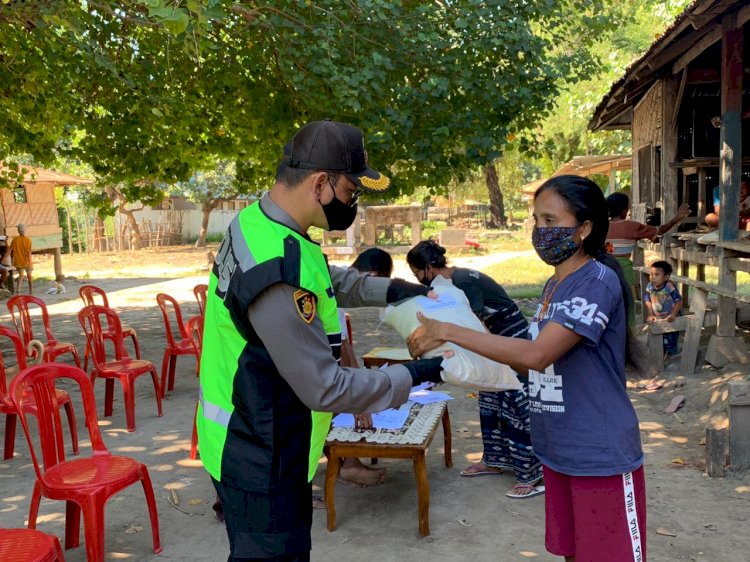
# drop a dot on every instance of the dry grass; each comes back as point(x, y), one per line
point(170, 261)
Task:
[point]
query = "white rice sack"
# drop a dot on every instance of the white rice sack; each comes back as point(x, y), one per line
point(465, 368)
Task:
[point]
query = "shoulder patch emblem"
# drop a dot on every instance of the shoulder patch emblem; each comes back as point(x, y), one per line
point(305, 303)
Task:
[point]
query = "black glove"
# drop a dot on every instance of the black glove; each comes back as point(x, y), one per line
point(399, 290)
point(425, 370)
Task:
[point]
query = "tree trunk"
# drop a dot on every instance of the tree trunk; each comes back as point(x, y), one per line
point(99, 235)
point(497, 203)
point(124, 244)
point(70, 230)
point(135, 231)
point(78, 232)
point(206, 209)
point(86, 230)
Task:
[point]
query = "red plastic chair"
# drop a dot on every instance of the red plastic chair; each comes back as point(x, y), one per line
point(18, 306)
point(96, 321)
point(7, 407)
point(200, 292)
point(85, 484)
point(89, 294)
point(175, 347)
point(194, 329)
point(29, 545)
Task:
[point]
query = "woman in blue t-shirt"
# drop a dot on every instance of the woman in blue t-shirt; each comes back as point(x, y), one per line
point(583, 426)
point(503, 416)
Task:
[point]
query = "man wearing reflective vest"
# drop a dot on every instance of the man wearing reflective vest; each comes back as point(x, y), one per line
point(269, 370)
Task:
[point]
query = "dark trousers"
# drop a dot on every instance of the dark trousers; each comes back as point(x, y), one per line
point(296, 558)
point(267, 527)
point(670, 343)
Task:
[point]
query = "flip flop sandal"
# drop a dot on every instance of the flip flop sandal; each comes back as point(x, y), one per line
point(318, 502)
point(472, 471)
point(533, 491)
point(654, 386)
point(676, 403)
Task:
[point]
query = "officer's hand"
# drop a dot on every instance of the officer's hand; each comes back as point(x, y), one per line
point(399, 290)
point(425, 370)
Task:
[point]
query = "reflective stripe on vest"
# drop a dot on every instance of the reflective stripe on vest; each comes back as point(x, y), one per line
point(213, 412)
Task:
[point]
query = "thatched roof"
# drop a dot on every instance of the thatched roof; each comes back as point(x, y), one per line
point(695, 30)
point(583, 166)
point(40, 175)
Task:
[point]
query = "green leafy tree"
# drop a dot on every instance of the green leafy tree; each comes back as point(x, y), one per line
point(147, 92)
point(564, 133)
point(209, 189)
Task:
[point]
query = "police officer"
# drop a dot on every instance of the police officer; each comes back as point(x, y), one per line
point(269, 371)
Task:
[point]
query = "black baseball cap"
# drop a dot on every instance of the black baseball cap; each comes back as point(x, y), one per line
point(336, 147)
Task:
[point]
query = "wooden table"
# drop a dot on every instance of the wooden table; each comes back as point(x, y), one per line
point(379, 356)
point(382, 355)
point(336, 449)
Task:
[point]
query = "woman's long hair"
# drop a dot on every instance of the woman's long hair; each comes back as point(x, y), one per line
point(427, 253)
point(586, 201)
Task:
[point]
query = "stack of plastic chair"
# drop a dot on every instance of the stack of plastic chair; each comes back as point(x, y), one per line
point(85, 484)
point(96, 321)
point(8, 408)
point(177, 344)
point(18, 307)
point(29, 545)
point(200, 295)
point(89, 294)
point(194, 329)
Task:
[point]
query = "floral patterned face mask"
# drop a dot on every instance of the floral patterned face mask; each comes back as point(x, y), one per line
point(554, 244)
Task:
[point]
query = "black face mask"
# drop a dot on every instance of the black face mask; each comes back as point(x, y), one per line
point(426, 282)
point(339, 215)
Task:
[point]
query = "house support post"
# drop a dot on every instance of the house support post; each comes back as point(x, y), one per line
point(739, 425)
point(56, 253)
point(725, 347)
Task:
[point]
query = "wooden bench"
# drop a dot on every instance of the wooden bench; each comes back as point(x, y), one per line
point(689, 354)
point(700, 316)
point(10, 283)
point(343, 442)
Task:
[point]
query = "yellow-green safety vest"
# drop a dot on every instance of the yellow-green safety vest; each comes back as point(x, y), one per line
point(236, 371)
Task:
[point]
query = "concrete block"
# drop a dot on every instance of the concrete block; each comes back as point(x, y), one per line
point(329, 236)
point(723, 350)
point(383, 217)
point(452, 237)
point(717, 449)
point(739, 425)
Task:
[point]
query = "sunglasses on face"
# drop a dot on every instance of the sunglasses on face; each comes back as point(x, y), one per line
point(353, 195)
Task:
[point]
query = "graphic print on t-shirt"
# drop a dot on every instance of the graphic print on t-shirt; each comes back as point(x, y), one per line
point(582, 420)
point(579, 309)
point(545, 389)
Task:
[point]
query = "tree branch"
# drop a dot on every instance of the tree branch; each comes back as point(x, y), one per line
point(251, 15)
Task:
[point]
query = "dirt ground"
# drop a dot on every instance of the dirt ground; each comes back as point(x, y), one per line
point(691, 516)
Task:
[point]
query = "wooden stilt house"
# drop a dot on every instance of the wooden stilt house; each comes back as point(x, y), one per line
point(686, 102)
point(31, 201)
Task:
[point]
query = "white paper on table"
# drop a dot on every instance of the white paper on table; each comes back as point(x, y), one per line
point(387, 419)
point(424, 386)
point(424, 396)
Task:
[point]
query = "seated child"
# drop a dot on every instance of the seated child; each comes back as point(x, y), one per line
point(663, 301)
